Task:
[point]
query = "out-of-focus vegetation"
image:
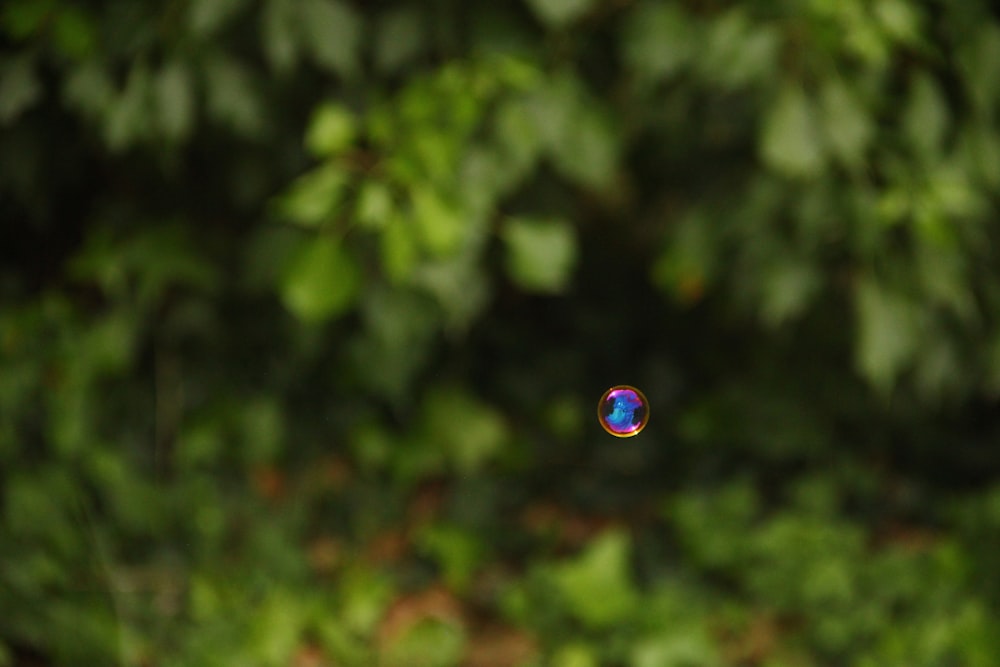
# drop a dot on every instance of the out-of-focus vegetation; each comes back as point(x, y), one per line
point(307, 304)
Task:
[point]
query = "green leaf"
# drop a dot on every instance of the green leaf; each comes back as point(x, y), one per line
point(861, 35)
point(267, 254)
point(552, 110)
point(399, 251)
point(953, 196)
point(736, 51)
point(708, 524)
point(458, 284)
point(758, 58)
point(375, 205)
point(597, 584)
point(430, 642)
point(900, 19)
point(371, 446)
point(846, 123)
point(459, 552)
point(23, 18)
point(331, 130)
point(280, 34)
point(279, 624)
point(73, 33)
point(205, 17)
point(333, 34)
point(788, 286)
point(689, 260)
point(575, 131)
point(399, 318)
point(887, 333)
point(148, 263)
point(174, 91)
point(108, 346)
point(790, 141)
point(399, 39)
point(470, 432)
point(981, 146)
point(200, 442)
point(20, 88)
point(484, 177)
point(262, 426)
point(313, 199)
point(979, 60)
point(589, 151)
point(541, 254)
point(926, 117)
point(432, 155)
point(364, 594)
point(232, 95)
point(34, 507)
point(937, 369)
point(691, 648)
point(557, 13)
point(657, 40)
point(165, 257)
point(565, 417)
point(72, 424)
point(399, 326)
point(575, 655)
point(89, 88)
point(128, 117)
point(517, 135)
point(439, 222)
point(322, 282)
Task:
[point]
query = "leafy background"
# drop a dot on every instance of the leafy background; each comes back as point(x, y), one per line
point(306, 306)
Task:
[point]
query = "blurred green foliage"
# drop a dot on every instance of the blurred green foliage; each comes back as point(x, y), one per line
point(305, 306)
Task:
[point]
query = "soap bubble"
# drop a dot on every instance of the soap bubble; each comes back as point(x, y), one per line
point(623, 411)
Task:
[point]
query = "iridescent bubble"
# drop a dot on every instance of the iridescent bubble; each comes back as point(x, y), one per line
point(623, 411)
